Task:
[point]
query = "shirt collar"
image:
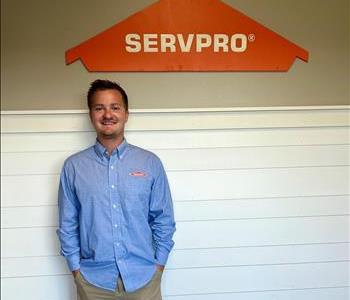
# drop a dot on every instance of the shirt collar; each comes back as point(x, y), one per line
point(102, 152)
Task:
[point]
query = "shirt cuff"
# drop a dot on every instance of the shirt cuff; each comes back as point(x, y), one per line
point(73, 262)
point(162, 256)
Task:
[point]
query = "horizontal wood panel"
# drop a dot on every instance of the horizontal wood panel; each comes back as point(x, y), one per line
point(33, 266)
point(254, 157)
point(35, 190)
point(33, 163)
point(64, 122)
point(239, 279)
point(288, 254)
point(196, 159)
point(341, 293)
point(29, 190)
point(259, 183)
point(42, 241)
point(76, 141)
point(226, 280)
point(261, 208)
point(38, 288)
point(42, 216)
point(262, 232)
point(196, 258)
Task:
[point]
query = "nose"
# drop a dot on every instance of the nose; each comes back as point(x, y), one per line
point(107, 113)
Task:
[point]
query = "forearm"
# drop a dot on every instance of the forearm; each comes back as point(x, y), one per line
point(70, 248)
point(162, 219)
point(68, 231)
point(163, 230)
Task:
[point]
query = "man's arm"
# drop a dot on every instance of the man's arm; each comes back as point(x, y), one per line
point(161, 216)
point(68, 231)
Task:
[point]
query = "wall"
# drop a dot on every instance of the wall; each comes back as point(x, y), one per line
point(261, 195)
point(36, 34)
point(261, 200)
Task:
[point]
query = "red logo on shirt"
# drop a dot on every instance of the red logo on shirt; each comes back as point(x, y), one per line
point(138, 174)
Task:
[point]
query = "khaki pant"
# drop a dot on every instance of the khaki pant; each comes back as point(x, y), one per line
point(151, 291)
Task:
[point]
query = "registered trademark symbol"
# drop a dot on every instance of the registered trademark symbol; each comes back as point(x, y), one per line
point(251, 37)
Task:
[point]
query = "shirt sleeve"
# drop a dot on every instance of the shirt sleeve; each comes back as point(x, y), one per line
point(68, 231)
point(161, 215)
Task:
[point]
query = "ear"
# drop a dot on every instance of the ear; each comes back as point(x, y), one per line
point(90, 115)
point(127, 116)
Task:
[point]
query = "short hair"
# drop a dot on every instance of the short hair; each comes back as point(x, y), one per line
point(102, 85)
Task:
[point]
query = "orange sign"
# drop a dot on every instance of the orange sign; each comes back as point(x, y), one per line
point(187, 35)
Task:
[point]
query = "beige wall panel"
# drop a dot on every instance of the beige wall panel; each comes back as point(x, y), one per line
point(36, 34)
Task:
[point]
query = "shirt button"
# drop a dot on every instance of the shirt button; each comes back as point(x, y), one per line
point(112, 186)
point(114, 206)
point(118, 244)
point(115, 225)
point(112, 167)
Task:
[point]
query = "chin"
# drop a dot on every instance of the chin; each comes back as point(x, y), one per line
point(107, 135)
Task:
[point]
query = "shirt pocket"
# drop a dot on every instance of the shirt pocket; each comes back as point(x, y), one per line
point(138, 183)
point(137, 190)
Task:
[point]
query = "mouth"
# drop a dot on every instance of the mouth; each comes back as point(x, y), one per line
point(108, 122)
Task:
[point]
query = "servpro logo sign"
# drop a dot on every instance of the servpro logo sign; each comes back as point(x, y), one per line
point(187, 35)
point(154, 42)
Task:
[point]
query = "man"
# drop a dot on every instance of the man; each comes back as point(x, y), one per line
point(116, 217)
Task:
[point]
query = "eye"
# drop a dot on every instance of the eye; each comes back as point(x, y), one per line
point(115, 108)
point(97, 108)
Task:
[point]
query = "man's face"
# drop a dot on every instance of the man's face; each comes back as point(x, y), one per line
point(108, 114)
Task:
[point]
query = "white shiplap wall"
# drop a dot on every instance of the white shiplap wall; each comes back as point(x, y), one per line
point(261, 200)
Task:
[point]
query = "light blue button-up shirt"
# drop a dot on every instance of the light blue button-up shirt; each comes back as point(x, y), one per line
point(115, 215)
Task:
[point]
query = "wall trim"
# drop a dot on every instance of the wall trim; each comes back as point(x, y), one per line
point(182, 119)
point(184, 110)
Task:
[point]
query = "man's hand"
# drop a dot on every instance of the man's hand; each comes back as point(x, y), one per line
point(75, 272)
point(160, 268)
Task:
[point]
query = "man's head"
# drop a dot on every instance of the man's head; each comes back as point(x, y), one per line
point(101, 85)
point(108, 109)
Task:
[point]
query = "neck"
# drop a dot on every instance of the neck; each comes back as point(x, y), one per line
point(110, 143)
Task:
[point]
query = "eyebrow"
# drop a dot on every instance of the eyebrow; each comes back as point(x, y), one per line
point(102, 105)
